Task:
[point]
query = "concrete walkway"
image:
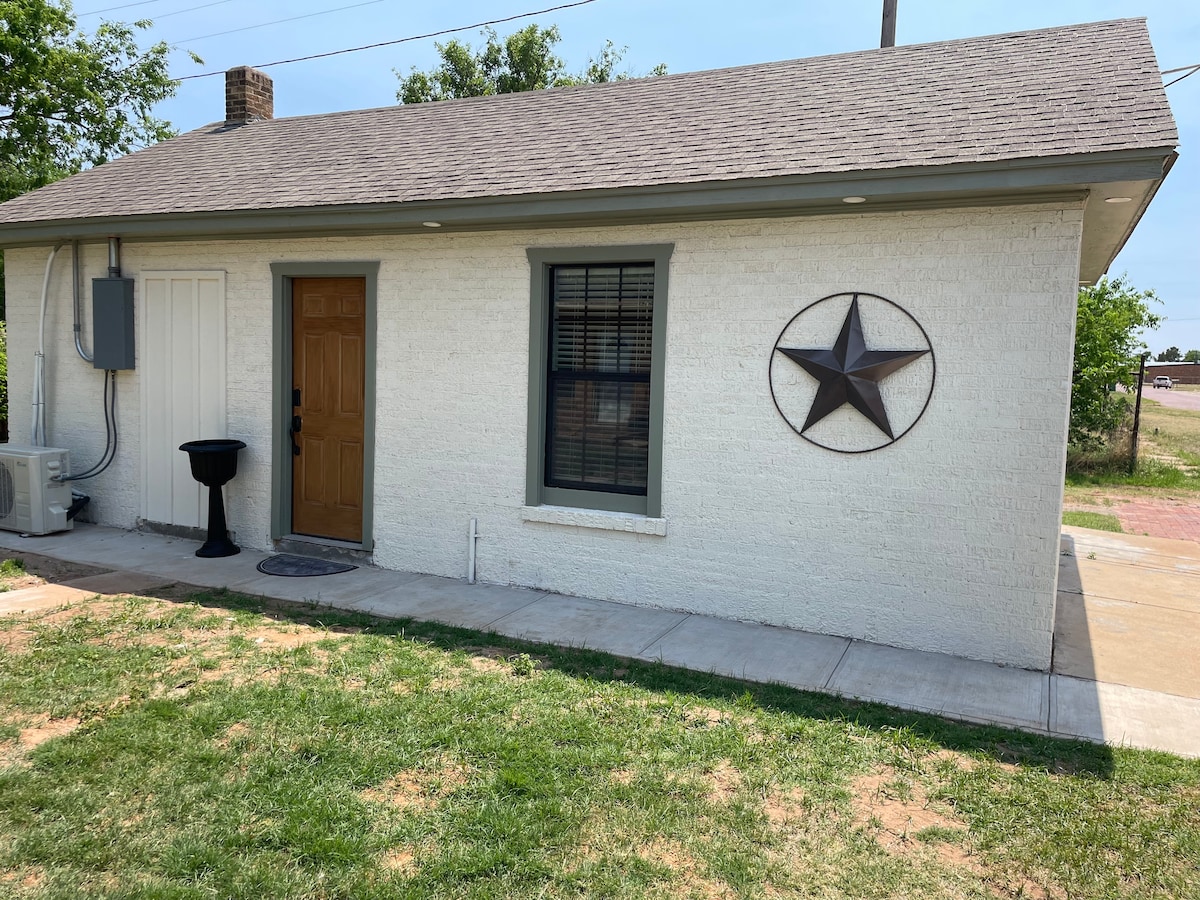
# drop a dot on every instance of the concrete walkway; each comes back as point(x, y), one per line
point(1129, 611)
point(1066, 703)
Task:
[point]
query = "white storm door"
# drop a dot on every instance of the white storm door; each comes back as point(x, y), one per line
point(182, 360)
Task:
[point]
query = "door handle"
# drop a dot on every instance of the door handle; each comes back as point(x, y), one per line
point(292, 432)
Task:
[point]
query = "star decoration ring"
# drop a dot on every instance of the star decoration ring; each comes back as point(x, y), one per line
point(852, 372)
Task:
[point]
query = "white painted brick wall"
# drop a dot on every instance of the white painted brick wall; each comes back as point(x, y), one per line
point(945, 541)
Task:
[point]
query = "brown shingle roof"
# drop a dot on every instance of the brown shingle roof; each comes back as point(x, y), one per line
point(1058, 91)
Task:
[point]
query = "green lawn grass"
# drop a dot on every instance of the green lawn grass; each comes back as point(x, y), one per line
point(1168, 458)
point(1175, 431)
point(1150, 473)
point(220, 749)
point(1169, 455)
point(1098, 521)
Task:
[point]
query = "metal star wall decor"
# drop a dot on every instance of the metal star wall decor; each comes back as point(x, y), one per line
point(848, 373)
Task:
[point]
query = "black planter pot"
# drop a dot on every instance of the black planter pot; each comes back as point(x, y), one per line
point(214, 462)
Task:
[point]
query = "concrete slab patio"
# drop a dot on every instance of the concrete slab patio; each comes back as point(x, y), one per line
point(1117, 676)
point(1129, 611)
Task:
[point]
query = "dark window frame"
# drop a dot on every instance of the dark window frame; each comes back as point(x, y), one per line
point(542, 261)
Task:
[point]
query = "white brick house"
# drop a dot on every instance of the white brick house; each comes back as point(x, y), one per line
point(630, 449)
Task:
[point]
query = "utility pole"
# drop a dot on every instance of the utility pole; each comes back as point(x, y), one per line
point(887, 37)
point(1137, 415)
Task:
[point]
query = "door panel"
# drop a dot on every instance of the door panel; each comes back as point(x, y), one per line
point(328, 337)
point(181, 355)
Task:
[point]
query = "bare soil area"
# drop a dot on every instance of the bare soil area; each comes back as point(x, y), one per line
point(44, 570)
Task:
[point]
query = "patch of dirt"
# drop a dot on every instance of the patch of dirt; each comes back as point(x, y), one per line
point(724, 781)
point(38, 734)
point(688, 878)
point(93, 609)
point(400, 860)
point(704, 716)
point(493, 660)
point(446, 683)
point(275, 638)
point(879, 805)
point(500, 660)
point(621, 776)
point(43, 569)
point(960, 760)
point(784, 808)
point(882, 807)
point(236, 732)
point(1025, 889)
point(34, 735)
point(20, 582)
point(27, 878)
point(420, 788)
point(15, 640)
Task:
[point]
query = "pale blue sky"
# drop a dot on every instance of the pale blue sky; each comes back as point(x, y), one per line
point(687, 36)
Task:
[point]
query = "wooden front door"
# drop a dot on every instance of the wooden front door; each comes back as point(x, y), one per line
point(328, 374)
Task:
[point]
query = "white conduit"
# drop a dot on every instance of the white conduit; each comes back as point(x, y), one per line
point(38, 427)
point(472, 539)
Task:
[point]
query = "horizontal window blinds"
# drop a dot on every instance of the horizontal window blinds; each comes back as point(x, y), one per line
point(599, 377)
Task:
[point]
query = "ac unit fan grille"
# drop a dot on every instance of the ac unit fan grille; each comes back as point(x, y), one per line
point(8, 492)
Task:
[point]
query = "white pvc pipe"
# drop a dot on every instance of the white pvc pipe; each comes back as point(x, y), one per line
point(38, 425)
point(473, 537)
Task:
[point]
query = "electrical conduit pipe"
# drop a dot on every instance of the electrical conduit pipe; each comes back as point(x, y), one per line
point(38, 426)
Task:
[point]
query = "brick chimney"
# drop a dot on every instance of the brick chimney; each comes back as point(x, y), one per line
point(249, 96)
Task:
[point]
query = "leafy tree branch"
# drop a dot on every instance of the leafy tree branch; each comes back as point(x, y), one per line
point(523, 61)
point(1110, 318)
point(71, 100)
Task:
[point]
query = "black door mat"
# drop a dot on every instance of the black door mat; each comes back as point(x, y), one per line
point(301, 566)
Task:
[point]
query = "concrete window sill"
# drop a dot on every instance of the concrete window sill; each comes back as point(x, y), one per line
point(594, 518)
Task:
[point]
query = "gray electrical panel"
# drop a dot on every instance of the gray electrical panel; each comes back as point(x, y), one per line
point(112, 323)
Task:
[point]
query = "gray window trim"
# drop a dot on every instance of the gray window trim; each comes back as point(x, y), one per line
point(281, 452)
point(540, 261)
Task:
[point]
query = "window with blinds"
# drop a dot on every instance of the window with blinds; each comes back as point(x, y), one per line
point(598, 377)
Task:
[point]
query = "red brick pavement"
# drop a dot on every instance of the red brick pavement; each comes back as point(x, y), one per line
point(1160, 518)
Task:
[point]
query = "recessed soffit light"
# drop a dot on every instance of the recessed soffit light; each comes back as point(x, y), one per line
point(1117, 199)
point(854, 199)
point(432, 224)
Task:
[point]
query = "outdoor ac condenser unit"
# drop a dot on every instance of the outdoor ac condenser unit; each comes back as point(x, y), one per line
point(31, 500)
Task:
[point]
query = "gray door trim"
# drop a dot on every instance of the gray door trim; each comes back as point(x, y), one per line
point(282, 274)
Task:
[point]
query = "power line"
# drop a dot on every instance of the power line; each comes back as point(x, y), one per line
point(323, 12)
point(403, 40)
point(96, 12)
point(191, 9)
point(1191, 70)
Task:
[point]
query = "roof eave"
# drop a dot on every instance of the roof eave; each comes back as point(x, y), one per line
point(1004, 182)
point(1106, 230)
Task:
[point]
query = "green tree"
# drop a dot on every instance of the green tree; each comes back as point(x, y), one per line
point(69, 100)
point(1110, 318)
point(1171, 354)
point(1192, 356)
point(523, 61)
